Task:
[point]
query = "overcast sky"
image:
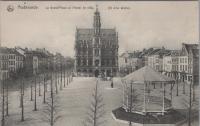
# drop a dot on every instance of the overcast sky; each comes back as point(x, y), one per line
point(142, 25)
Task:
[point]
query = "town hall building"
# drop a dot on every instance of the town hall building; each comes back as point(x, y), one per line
point(96, 50)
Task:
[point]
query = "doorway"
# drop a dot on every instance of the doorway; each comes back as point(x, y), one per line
point(96, 73)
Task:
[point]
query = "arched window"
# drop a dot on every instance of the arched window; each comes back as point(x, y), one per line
point(96, 52)
point(113, 62)
point(79, 62)
point(90, 62)
point(96, 62)
point(84, 62)
point(102, 62)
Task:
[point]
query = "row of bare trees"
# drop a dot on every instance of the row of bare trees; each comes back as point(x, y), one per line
point(54, 77)
point(5, 100)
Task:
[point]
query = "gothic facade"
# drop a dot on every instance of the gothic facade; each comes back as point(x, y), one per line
point(96, 50)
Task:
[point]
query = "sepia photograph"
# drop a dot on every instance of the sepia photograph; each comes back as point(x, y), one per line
point(99, 63)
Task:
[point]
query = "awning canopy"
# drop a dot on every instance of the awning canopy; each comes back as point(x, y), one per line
point(147, 74)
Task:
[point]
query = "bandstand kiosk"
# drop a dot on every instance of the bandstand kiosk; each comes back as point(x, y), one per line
point(153, 91)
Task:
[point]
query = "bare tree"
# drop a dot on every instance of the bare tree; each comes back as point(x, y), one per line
point(67, 77)
point(7, 97)
point(133, 98)
point(191, 106)
point(51, 110)
point(44, 90)
point(35, 100)
point(39, 86)
point(31, 92)
point(56, 82)
point(22, 100)
point(95, 114)
point(64, 74)
point(3, 105)
point(61, 76)
point(177, 87)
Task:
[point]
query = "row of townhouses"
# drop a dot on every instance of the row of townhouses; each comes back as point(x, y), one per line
point(181, 64)
point(14, 61)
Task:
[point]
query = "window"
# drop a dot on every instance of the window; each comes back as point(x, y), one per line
point(157, 60)
point(185, 60)
point(125, 60)
point(108, 62)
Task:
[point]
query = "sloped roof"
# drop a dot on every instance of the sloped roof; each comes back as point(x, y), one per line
point(147, 74)
point(9, 51)
point(15, 52)
point(146, 52)
point(87, 33)
point(195, 52)
point(135, 54)
point(4, 50)
point(154, 52)
point(37, 53)
point(189, 47)
point(175, 52)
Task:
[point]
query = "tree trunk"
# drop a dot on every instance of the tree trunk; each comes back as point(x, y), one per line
point(177, 87)
point(7, 99)
point(64, 76)
point(67, 78)
point(193, 87)
point(183, 84)
point(56, 85)
point(44, 91)
point(39, 87)
point(190, 105)
point(3, 118)
point(95, 106)
point(61, 78)
point(31, 92)
point(51, 86)
point(52, 107)
point(35, 103)
point(22, 100)
point(131, 103)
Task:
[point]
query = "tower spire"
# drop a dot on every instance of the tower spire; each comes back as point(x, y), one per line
point(97, 22)
point(97, 8)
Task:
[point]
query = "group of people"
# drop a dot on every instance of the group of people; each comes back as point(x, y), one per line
point(103, 77)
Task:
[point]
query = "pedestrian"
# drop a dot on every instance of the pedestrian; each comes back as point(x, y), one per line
point(111, 84)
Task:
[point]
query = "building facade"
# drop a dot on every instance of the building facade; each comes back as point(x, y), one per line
point(16, 60)
point(189, 63)
point(155, 59)
point(4, 63)
point(129, 62)
point(96, 50)
point(36, 62)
